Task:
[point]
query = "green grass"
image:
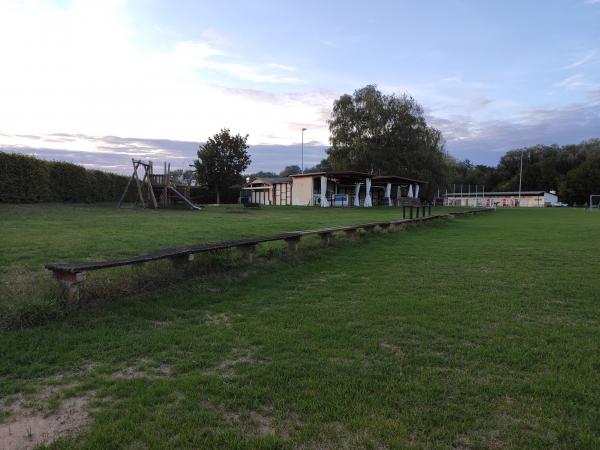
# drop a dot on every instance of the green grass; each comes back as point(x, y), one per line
point(33, 235)
point(474, 333)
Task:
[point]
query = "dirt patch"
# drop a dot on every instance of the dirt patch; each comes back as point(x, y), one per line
point(133, 372)
point(258, 422)
point(227, 366)
point(218, 320)
point(160, 323)
point(393, 348)
point(26, 429)
point(238, 357)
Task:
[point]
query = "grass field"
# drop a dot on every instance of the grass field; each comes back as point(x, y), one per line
point(473, 333)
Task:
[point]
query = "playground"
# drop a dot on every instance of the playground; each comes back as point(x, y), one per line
point(476, 332)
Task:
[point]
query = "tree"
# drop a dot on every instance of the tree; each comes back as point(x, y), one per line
point(290, 170)
point(221, 161)
point(582, 181)
point(385, 134)
point(262, 174)
point(181, 176)
point(323, 166)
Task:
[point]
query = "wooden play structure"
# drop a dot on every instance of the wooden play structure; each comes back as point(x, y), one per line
point(156, 190)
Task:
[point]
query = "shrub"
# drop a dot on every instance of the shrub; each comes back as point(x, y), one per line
point(25, 179)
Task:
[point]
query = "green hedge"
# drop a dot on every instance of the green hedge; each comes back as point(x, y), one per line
point(25, 179)
point(204, 196)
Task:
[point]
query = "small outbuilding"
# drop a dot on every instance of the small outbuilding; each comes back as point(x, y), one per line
point(268, 191)
point(530, 199)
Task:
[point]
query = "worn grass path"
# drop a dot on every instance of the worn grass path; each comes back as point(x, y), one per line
point(477, 333)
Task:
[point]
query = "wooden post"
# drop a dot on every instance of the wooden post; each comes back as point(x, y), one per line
point(404, 211)
point(71, 285)
point(248, 252)
point(326, 238)
point(165, 189)
point(429, 209)
point(292, 244)
point(138, 184)
point(411, 212)
point(126, 187)
point(181, 261)
point(352, 234)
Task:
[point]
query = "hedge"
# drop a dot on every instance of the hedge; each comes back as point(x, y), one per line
point(204, 196)
point(26, 179)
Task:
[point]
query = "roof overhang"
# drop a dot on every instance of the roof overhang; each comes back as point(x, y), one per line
point(396, 179)
point(350, 175)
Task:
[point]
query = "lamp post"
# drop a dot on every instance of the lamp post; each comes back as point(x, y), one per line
point(520, 178)
point(303, 130)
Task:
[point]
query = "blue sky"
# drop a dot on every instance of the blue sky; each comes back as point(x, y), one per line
point(100, 82)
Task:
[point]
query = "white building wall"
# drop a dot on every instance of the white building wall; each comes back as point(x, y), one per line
point(527, 201)
point(302, 191)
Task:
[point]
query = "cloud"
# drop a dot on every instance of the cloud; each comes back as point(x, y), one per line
point(114, 153)
point(577, 81)
point(584, 59)
point(216, 36)
point(572, 82)
point(78, 69)
point(486, 141)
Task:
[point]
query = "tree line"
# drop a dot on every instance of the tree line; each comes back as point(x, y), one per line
point(369, 132)
point(572, 170)
point(388, 134)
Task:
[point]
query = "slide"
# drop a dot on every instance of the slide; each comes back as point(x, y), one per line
point(185, 199)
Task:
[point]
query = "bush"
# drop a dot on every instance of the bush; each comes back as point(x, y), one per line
point(204, 196)
point(25, 179)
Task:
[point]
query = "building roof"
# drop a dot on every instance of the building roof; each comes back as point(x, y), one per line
point(396, 179)
point(338, 174)
point(360, 175)
point(495, 193)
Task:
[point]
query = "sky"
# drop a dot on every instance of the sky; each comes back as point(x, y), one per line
point(98, 82)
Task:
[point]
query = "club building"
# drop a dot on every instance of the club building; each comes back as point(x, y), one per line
point(531, 199)
point(334, 189)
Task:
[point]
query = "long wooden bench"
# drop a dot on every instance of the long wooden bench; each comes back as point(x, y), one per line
point(71, 276)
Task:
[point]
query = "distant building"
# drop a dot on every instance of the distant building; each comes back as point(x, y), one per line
point(334, 189)
point(531, 199)
point(268, 191)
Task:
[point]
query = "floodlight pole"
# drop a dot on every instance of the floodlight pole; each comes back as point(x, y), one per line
point(303, 130)
point(520, 178)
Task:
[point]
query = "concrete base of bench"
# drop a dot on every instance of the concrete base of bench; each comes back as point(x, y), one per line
point(352, 234)
point(248, 252)
point(71, 285)
point(326, 238)
point(292, 245)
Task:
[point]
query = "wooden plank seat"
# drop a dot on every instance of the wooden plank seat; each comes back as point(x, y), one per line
point(71, 275)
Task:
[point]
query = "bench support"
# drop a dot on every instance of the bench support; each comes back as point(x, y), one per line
point(248, 252)
point(352, 234)
point(71, 285)
point(385, 227)
point(182, 260)
point(326, 238)
point(292, 245)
